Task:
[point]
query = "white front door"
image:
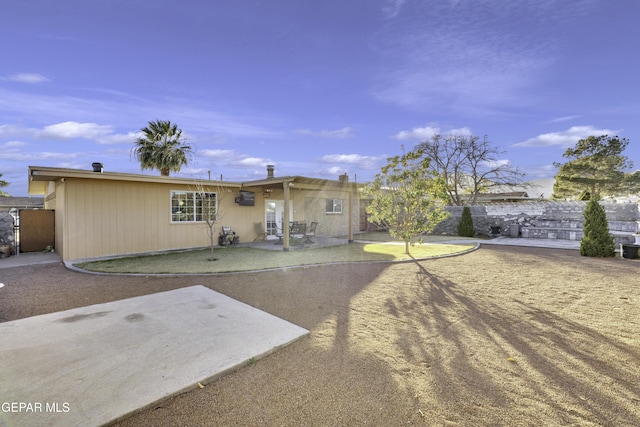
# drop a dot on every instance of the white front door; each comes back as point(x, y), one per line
point(274, 217)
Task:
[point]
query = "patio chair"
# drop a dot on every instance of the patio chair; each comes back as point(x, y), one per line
point(261, 234)
point(228, 237)
point(280, 235)
point(310, 233)
point(297, 230)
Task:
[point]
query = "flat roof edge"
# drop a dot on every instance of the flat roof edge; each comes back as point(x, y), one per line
point(38, 173)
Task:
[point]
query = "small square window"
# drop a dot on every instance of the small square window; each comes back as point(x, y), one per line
point(334, 206)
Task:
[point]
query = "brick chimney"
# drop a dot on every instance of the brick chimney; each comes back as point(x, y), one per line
point(270, 169)
point(343, 178)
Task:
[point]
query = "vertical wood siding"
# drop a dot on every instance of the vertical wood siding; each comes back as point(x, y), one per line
point(99, 218)
point(106, 218)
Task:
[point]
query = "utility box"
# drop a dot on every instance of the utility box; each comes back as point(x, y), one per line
point(629, 251)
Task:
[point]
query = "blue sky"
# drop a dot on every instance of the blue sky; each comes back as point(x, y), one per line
point(318, 88)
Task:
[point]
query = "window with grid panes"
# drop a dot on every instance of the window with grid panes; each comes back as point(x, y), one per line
point(192, 206)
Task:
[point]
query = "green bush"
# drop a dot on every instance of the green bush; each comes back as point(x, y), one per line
point(596, 242)
point(465, 227)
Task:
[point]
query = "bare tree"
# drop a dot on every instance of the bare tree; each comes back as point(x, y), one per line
point(468, 165)
point(207, 204)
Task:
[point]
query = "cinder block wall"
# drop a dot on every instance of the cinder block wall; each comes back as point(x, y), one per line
point(621, 216)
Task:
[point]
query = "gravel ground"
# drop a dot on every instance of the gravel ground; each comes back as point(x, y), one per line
point(502, 336)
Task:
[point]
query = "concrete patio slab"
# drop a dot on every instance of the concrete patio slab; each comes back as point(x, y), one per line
point(96, 364)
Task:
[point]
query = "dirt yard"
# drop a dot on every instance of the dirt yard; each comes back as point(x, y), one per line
point(502, 336)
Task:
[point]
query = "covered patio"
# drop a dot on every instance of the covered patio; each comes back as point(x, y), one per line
point(318, 242)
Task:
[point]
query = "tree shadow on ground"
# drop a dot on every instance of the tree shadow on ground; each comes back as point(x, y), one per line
point(509, 356)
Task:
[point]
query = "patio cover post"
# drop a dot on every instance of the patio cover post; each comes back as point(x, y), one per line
point(285, 226)
point(350, 213)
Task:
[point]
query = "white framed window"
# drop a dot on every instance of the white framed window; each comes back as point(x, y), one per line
point(193, 206)
point(334, 206)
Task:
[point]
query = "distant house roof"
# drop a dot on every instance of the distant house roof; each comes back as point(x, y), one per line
point(512, 196)
point(9, 202)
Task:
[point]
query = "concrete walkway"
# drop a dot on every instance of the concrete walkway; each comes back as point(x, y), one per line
point(96, 364)
point(520, 241)
point(505, 241)
point(316, 242)
point(30, 258)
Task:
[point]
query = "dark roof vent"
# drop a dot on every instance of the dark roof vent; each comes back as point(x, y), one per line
point(270, 169)
point(97, 167)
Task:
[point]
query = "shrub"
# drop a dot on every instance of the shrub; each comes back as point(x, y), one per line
point(465, 227)
point(596, 242)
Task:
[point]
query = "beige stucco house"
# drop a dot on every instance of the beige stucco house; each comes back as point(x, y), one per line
point(100, 214)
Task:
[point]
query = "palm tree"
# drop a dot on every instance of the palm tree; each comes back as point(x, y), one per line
point(162, 147)
point(3, 183)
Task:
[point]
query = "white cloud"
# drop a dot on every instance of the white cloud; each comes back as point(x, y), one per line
point(496, 163)
point(566, 138)
point(365, 162)
point(334, 170)
point(252, 161)
point(221, 155)
point(13, 131)
point(468, 72)
point(391, 9)
point(233, 158)
point(450, 55)
point(119, 138)
point(13, 144)
point(465, 131)
point(72, 130)
point(427, 132)
point(20, 155)
point(130, 111)
point(102, 134)
point(31, 78)
point(345, 132)
point(563, 119)
point(542, 172)
point(423, 133)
